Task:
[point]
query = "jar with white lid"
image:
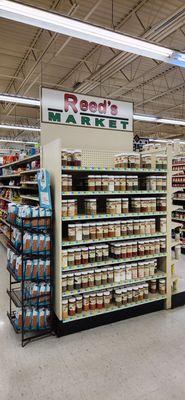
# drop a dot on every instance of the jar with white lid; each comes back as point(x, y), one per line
point(90, 206)
point(110, 275)
point(106, 299)
point(78, 232)
point(111, 183)
point(85, 255)
point(91, 278)
point(124, 296)
point(117, 250)
point(85, 232)
point(79, 304)
point(99, 230)
point(162, 286)
point(70, 282)
point(117, 183)
point(128, 272)
point(129, 249)
point(123, 228)
point(123, 250)
point(70, 184)
point(135, 293)
point(134, 270)
point(129, 183)
point(70, 257)
point(141, 270)
point(151, 268)
point(130, 227)
point(152, 226)
point(91, 183)
point(86, 302)
point(72, 306)
point(117, 206)
point(117, 229)
point(145, 290)
point(64, 283)
point(105, 183)
point(129, 295)
point(64, 157)
point(136, 229)
point(147, 227)
point(104, 276)
point(122, 183)
point(151, 247)
point(146, 269)
point(65, 183)
point(153, 286)
point(77, 280)
point(111, 229)
point(64, 258)
point(99, 253)
point(105, 252)
point(92, 301)
point(110, 206)
point(92, 254)
point(140, 293)
point(135, 204)
point(118, 297)
point(77, 158)
point(163, 225)
point(71, 208)
point(122, 273)
point(142, 227)
point(124, 205)
point(124, 161)
point(117, 274)
point(105, 229)
point(97, 277)
point(64, 208)
point(98, 186)
point(92, 230)
point(99, 300)
point(78, 256)
point(162, 245)
point(85, 279)
point(71, 232)
point(134, 249)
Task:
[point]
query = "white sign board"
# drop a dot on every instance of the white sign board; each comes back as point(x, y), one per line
point(61, 107)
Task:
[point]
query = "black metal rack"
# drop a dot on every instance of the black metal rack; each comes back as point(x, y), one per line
point(17, 284)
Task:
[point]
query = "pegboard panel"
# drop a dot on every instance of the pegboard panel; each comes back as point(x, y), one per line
point(98, 158)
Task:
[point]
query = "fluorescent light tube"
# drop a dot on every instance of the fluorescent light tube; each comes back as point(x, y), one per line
point(19, 127)
point(146, 118)
point(171, 121)
point(20, 100)
point(16, 141)
point(82, 30)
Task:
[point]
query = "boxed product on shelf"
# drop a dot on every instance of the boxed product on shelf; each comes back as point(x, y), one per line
point(34, 217)
point(32, 318)
point(33, 243)
point(32, 269)
point(37, 293)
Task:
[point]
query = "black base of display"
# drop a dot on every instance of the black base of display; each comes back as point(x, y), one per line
point(178, 299)
point(67, 328)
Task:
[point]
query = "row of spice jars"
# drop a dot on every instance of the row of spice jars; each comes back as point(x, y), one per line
point(84, 255)
point(180, 195)
point(147, 204)
point(71, 157)
point(102, 230)
point(140, 248)
point(112, 183)
point(69, 208)
point(134, 160)
point(67, 183)
point(154, 183)
point(178, 214)
point(104, 299)
point(178, 180)
point(109, 275)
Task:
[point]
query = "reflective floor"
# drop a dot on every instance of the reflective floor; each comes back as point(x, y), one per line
point(139, 359)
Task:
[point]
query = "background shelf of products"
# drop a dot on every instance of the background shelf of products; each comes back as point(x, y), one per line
point(81, 277)
point(17, 184)
point(178, 183)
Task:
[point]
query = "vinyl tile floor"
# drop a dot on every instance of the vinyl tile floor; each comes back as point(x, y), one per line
point(141, 358)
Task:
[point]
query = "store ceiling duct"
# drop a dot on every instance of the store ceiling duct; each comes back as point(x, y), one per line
point(84, 31)
point(5, 97)
point(20, 127)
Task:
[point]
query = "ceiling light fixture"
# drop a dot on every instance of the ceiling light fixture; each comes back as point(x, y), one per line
point(8, 98)
point(82, 30)
point(20, 127)
point(147, 118)
point(17, 141)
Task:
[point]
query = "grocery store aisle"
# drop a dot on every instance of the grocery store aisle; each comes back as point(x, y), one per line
point(139, 359)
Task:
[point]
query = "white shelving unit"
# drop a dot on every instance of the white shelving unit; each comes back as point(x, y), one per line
point(92, 161)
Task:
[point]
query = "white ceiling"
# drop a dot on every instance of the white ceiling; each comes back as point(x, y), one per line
point(31, 57)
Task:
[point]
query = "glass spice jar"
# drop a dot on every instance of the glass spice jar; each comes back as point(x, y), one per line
point(123, 250)
point(71, 233)
point(85, 302)
point(117, 229)
point(85, 232)
point(77, 158)
point(145, 290)
point(97, 277)
point(124, 297)
point(122, 183)
point(91, 183)
point(77, 254)
point(106, 299)
point(146, 269)
point(128, 272)
point(64, 157)
point(64, 208)
point(117, 183)
point(105, 252)
point(117, 274)
point(129, 249)
point(79, 304)
point(92, 301)
point(91, 278)
point(99, 300)
point(110, 275)
point(111, 184)
point(117, 206)
point(135, 294)
point(123, 228)
point(134, 249)
point(98, 186)
point(162, 286)
point(105, 229)
point(111, 229)
point(118, 297)
point(141, 270)
point(71, 257)
point(70, 282)
point(64, 283)
point(105, 183)
point(78, 232)
point(92, 254)
point(64, 258)
point(151, 268)
point(77, 280)
point(134, 270)
point(72, 306)
point(99, 253)
point(104, 276)
point(141, 251)
point(65, 183)
point(124, 206)
point(129, 295)
point(85, 279)
point(140, 293)
point(84, 255)
point(136, 230)
point(99, 230)
point(64, 309)
point(122, 273)
point(153, 286)
point(92, 231)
